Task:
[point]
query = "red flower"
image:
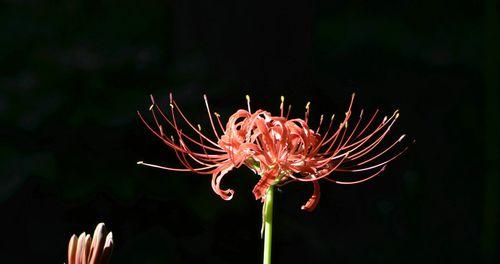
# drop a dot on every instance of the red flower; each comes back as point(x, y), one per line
point(280, 149)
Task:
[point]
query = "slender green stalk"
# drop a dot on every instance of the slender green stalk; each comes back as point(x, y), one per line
point(268, 224)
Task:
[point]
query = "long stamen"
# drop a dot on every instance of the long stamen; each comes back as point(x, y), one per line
point(195, 156)
point(199, 170)
point(248, 102)
point(210, 117)
point(384, 151)
point(385, 122)
point(359, 181)
point(320, 123)
point(174, 105)
point(307, 112)
point(219, 121)
point(352, 132)
point(322, 141)
point(344, 156)
point(333, 138)
point(288, 113)
point(165, 140)
point(281, 105)
point(375, 143)
point(186, 136)
point(368, 124)
point(201, 140)
point(376, 165)
point(182, 148)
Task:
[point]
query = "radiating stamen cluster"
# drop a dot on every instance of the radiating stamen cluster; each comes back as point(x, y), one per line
point(279, 149)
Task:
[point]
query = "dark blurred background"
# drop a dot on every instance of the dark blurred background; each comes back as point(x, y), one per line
point(73, 73)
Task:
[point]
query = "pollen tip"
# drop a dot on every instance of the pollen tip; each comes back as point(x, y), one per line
point(401, 137)
point(140, 162)
point(307, 105)
point(397, 115)
point(151, 107)
point(282, 99)
point(216, 114)
point(333, 116)
point(247, 97)
point(205, 97)
point(199, 127)
point(171, 106)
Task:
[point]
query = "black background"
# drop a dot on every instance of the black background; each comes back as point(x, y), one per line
point(73, 73)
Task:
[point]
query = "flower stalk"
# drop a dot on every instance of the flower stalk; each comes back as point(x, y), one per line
point(268, 224)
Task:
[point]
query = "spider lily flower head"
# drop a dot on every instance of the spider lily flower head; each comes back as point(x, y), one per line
point(280, 149)
point(86, 249)
point(293, 152)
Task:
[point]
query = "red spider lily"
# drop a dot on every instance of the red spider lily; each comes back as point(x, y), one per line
point(280, 149)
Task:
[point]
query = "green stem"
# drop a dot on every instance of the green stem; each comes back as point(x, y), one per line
point(268, 224)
